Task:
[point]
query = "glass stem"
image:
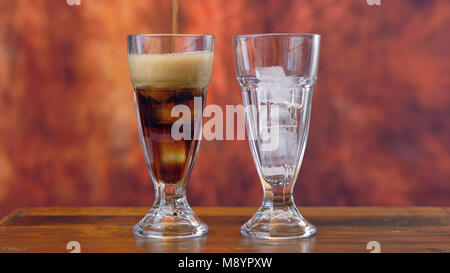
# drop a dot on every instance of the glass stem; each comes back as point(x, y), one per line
point(277, 196)
point(171, 198)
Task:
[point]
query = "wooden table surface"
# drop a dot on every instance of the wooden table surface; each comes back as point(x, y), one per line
point(339, 229)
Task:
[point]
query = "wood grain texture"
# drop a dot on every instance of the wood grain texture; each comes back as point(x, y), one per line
point(340, 229)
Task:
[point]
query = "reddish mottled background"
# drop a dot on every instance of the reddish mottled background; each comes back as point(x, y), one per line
point(380, 119)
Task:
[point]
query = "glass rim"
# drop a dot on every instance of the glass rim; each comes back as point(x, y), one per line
point(155, 35)
point(267, 35)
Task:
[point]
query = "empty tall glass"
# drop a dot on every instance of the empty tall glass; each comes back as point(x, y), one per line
point(277, 73)
point(170, 74)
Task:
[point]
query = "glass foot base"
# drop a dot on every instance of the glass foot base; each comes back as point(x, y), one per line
point(170, 224)
point(283, 223)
